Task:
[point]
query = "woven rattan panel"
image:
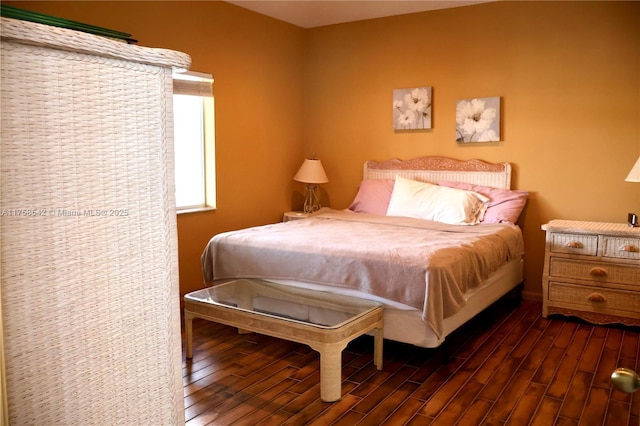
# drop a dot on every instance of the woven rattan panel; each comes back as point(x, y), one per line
point(90, 298)
point(441, 169)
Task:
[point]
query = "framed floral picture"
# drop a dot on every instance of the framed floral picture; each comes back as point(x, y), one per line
point(478, 120)
point(412, 108)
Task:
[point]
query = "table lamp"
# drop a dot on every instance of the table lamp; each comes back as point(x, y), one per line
point(634, 176)
point(311, 173)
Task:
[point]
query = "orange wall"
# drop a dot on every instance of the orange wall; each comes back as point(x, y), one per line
point(568, 74)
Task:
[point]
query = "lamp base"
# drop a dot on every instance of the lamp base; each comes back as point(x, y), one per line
point(311, 201)
point(632, 219)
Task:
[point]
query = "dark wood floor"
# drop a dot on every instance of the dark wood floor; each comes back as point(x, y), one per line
point(508, 366)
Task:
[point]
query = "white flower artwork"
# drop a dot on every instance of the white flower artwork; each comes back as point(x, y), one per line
point(412, 108)
point(478, 120)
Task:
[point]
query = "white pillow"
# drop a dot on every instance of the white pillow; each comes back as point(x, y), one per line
point(421, 200)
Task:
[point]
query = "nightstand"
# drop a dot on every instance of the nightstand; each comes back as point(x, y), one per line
point(592, 271)
point(294, 216)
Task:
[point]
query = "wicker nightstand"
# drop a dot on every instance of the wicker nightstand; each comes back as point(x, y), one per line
point(294, 216)
point(592, 271)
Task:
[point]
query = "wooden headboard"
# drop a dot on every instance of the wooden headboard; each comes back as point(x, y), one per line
point(441, 169)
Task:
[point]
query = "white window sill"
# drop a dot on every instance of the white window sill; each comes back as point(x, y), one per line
point(195, 209)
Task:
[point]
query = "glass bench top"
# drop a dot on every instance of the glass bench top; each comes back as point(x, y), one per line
point(311, 307)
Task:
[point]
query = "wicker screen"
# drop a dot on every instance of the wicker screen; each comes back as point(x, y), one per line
point(90, 298)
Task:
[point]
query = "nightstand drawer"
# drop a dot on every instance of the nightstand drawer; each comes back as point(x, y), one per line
point(623, 248)
point(575, 244)
point(594, 271)
point(595, 299)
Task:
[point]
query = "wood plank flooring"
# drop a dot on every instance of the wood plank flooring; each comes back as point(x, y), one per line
point(508, 366)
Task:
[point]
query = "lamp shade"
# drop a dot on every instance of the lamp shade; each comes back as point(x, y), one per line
point(634, 174)
point(311, 171)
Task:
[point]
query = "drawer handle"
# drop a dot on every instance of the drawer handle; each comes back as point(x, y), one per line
point(596, 297)
point(598, 272)
point(629, 248)
point(574, 244)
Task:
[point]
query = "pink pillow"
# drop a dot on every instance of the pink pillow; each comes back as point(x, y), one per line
point(504, 205)
point(373, 197)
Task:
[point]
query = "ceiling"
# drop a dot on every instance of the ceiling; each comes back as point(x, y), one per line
point(317, 13)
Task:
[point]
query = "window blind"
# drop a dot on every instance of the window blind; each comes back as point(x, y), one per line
point(193, 83)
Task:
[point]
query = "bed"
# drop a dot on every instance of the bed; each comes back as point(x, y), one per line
point(434, 265)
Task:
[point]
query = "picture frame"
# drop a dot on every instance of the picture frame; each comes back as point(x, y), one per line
point(478, 120)
point(412, 108)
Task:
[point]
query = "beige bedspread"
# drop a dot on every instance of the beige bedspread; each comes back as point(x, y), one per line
point(423, 264)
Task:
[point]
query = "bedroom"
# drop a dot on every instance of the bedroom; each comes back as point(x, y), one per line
point(567, 72)
point(569, 88)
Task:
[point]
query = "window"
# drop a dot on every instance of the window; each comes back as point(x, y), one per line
point(194, 141)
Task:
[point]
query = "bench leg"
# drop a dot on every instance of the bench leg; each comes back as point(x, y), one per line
point(330, 372)
point(377, 347)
